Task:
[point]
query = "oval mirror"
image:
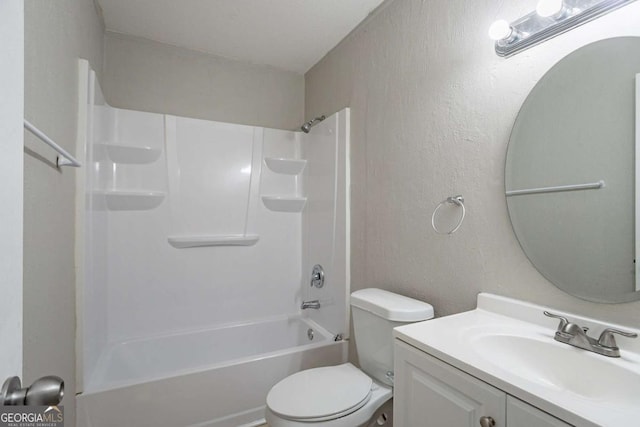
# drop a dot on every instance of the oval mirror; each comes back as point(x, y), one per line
point(569, 175)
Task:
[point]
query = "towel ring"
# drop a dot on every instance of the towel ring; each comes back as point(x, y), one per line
point(456, 200)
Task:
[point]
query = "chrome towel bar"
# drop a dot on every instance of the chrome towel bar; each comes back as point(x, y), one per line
point(65, 159)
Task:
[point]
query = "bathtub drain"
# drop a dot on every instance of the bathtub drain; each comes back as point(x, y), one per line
point(310, 334)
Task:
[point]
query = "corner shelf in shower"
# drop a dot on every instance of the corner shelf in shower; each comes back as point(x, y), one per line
point(196, 241)
point(140, 200)
point(284, 203)
point(285, 166)
point(126, 154)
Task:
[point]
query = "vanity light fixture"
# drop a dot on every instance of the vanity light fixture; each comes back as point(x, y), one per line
point(551, 17)
point(551, 8)
point(500, 30)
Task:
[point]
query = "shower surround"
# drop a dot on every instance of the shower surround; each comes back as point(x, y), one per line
point(196, 244)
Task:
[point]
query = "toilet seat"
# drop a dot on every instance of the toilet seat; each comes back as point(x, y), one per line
point(320, 394)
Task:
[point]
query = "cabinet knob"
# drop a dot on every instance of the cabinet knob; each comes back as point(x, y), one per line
point(487, 422)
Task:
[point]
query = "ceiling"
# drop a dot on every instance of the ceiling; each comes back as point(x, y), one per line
point(288, 34)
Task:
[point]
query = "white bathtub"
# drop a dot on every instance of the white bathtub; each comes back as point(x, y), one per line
point(214, 378)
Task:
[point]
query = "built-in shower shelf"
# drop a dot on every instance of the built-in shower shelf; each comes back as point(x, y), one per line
point(132, 200)
point(285, 166)
point(284, 203)
point(127, 154)
point(195, 241)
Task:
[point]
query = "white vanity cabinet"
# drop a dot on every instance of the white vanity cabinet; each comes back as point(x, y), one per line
point(521, 414)
point(431, 393)
point(428, 392)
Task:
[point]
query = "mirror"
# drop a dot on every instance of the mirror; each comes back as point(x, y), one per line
point(577, 131)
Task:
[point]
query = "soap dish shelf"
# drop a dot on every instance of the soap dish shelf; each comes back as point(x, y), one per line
point(284, 203)
point(285, 166)
point(125, 154)
point(140, 200)
point(195, 241)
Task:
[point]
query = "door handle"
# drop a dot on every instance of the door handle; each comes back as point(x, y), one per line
point(487, 422)
point(46, 391)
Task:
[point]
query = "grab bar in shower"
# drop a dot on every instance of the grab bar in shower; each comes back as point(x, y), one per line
point(557, 189)
point(65, 159)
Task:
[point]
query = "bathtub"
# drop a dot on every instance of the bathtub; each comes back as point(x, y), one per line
point(211, 378)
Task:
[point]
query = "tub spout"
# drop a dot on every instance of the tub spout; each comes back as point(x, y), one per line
point(315, 304)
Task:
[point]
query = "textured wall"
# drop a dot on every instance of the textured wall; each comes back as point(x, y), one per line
point(56, 34)
point(144, 75)
point(432, 108)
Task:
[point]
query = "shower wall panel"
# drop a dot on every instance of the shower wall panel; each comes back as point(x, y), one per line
point(326, 231)
point(192, 225)
point(155, 288)
point(151, 177)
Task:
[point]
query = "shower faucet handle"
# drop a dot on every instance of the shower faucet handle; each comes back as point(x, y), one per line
point(317, 276)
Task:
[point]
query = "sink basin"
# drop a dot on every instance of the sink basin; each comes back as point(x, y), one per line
point(560, 366)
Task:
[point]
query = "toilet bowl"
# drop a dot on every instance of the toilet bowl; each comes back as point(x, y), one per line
point(335, 396)
point(344, 395)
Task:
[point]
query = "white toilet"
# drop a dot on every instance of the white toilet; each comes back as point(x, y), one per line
point(343, 395)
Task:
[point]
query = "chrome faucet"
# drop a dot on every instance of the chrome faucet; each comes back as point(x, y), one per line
point(572, 334)
point(315, 304)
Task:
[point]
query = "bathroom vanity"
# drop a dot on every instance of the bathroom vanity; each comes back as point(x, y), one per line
point(499, 365)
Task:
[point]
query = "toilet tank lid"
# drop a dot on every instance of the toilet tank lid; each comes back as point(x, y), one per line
point(390, 306)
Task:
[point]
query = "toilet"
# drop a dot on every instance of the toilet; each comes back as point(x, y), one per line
point(343, 395)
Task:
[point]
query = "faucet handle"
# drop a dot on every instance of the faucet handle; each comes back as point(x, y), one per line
point(608, 340)
point(563, 320)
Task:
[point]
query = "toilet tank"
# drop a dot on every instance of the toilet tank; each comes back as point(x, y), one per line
point(375, 313)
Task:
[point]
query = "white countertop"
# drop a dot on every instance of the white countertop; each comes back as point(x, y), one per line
point(461, 340)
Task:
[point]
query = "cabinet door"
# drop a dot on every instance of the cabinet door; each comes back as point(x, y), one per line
point(431, 393)
point(520, 414)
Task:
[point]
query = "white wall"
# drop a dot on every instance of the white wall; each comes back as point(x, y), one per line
point(11, 170)
point(145, 75)
point(56, 34)
point(432, 108)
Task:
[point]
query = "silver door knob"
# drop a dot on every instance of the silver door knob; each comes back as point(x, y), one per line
point(487, 422)
point(47, 391)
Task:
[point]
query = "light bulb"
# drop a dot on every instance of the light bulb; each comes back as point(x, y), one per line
point(548, 8)
point(500, 30)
